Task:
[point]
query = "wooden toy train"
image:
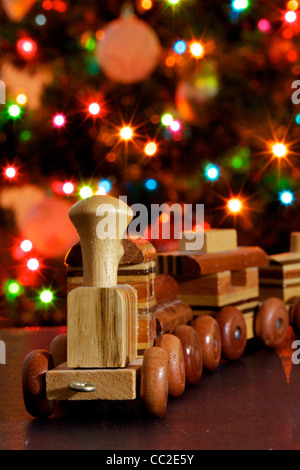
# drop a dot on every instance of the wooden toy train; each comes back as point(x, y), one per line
point(143, 325)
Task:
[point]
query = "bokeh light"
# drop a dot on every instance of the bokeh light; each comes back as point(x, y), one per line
point(264, 25)
point(150, 149)
point(197, 50)
point(180, 47)
point(104, 187)
point(166, 119)
point(59, 120)
point(175, 126)
point(85, 192)
point(290, 16)
point(27, 47)
point(286, 197)
point(126, 133)
point(14, 111)
point(234, 205)
point(211, 172)
point(68, 187)
point(26, 246)
point(151, 184)
point(240, 4)
point(94, 109)
point(46, 296)
point(33, 264)
point(10, 172)
point(279, 150)
point(21, 99)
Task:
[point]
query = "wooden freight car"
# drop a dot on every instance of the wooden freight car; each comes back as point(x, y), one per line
point(221, 280)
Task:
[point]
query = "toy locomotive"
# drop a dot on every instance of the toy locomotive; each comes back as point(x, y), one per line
point(142, 324)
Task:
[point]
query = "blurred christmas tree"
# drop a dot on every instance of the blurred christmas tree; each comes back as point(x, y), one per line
point(177, 101)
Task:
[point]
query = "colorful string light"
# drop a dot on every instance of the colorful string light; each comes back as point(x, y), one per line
point(150, 149)
point(211, 172)
point(279, 150)
point(175, 126)
point(14, 111)
point(68, 187)
point(33, 264)
point(13, 289)
point(10, 172)
point(197, 50)
point(26, 246)
point(59, 120)
point(46, 296)
point(21, 99)
point(234, 205)
point(27, 48)
point(180, 47)
point(126, 133)
point(286, 197)
point(85, 192)
point(167, 119)
point(290, 16)
point(240, 5)
point(94, 109)
point(151, 184)
point(264, 25)
point(104, 187)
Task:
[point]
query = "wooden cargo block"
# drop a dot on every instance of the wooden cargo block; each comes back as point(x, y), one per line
point(111, 384)
point(183, 266)
point(101, 326)
point(209, 241)
point(281, 278)
point(220, 289)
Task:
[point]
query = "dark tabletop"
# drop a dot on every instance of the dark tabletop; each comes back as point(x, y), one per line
point(252, 403)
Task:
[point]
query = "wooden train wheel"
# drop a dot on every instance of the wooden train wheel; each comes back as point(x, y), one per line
point(209, 335)
point(233, 332)
point(172, 345)
point(36, 365)
point(272, 322)
point(154, 381)
point(58, 349)
point(192, 353)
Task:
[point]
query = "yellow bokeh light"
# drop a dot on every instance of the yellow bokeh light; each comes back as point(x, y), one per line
point(293, 5)
point(234, 205)
point(164, 218)
point(197, 50)
point(21, 98)
point(126, 133)
point(279, 150)
point(150, 148)
point(85, 192)
point(146, 4)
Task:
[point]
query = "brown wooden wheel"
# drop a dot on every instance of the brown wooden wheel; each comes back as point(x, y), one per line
point(154, 381)
point(233, 332)
point(58, 349)
point(295, 316)
point(36, 365)
point(172, 345)
point(209, 335)
point(272, 322)
point(192, 353)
